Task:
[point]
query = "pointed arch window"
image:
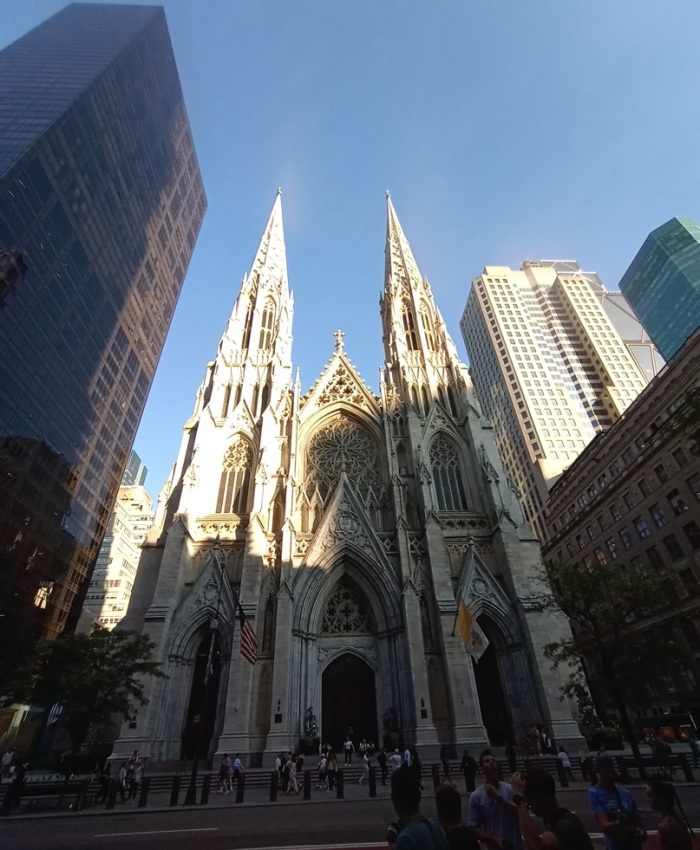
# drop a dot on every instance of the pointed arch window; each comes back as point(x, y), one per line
point(247, 325)
point(409, 327)
point(447, 476)
point(227, 398)
point(265, 400)
point(237, 397)
point(427, 328)
point(268, 318)
point(235, 478)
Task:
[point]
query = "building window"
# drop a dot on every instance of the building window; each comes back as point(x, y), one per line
point(227, 398)
point(615, 468)
point(678, 506)
point(409, 327)
point(247, 325)
point(694, 484)
point(692, 532)
point(235, 478)
point(588, 562)
point(612, 547)
point(447, 476)
point(661, 473)
point(603, 480)
point(268, 318)
point(625, 538)
point(570, 549)
point(600, 556)
point(614, 511)
point(579, 540)
point(590, 532)
point(644, 488)
point(627, 456)
point(655, 558)
point(658, 516)
point(680, 457)
point(628, 499)
point(642, 528)
point(427, 328)
point(673, 547)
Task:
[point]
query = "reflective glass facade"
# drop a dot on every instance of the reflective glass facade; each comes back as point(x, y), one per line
point(101, 201)
point(663, 284)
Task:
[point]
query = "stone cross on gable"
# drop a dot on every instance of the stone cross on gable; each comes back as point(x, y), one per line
point(338, 340)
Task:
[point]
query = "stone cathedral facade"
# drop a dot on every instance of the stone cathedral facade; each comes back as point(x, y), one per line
point(349, 525)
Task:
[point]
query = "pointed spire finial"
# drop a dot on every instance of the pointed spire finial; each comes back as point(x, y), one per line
point(339, 340)
point(388, 195)
point(279, 192)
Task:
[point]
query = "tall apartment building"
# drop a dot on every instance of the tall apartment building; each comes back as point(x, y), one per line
point(663, 283)
point(549, 368)
point(633, 496)
point(113, 577)
point(101, 201)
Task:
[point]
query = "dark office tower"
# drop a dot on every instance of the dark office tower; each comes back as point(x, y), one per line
point(101, 201)
point(663, 284)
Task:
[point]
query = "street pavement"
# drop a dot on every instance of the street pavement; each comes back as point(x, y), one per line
point(321, 822)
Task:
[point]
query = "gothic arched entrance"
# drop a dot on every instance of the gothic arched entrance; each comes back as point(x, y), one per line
point(201, 712)
point(348, 701)
point(494, 711)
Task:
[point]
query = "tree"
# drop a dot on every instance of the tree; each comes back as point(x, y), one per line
point(608, 608)
point(92, 677)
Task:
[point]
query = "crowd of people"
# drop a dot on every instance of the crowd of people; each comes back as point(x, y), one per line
point(498, 814)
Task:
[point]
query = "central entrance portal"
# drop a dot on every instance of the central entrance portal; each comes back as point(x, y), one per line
point(349, 702)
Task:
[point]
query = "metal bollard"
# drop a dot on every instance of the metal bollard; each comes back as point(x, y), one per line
point(206, 786)
point(274, 780)
point(307, 784)
point(175, 790)
point(112, 795)
point(339, 785)
point(373, 782)
point(685, 767)
point(435, 769)
point(563, 779)
point(240, 787)
point(143, 794)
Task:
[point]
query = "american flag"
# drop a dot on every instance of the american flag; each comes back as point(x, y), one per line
point(249, 640)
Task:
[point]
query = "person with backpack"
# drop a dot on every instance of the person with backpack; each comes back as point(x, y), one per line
point(562, 829)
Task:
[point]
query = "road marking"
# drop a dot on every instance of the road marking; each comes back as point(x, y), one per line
point(157, 832)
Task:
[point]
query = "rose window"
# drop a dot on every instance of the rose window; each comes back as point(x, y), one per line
point(342, 446)
point(346, 613)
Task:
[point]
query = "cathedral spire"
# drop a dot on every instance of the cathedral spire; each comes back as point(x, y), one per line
point(401, 268)
point(269, 269)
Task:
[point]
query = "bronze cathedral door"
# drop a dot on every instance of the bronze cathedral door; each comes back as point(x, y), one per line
point(348, 702)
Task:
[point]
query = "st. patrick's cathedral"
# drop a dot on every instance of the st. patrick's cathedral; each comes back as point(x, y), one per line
point(350, 526)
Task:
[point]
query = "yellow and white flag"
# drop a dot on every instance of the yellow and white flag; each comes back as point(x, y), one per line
point(475, 641)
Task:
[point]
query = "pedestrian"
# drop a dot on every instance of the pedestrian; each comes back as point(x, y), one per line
point(562, 829)
point(365, 768)
point(348, 750)
point(383, 766)
point(236, 771)
point(469, 768)
point(448, 804)
point(417, 766)
point(565, 764)
point(293, 786)
point(224, 779)
point(492, 814)
point(694, 751)
point(331, 769)
point(407, 756)
point(122, 779)
point(674, 830)
point(7, 759)
point(512, 757)
point(135, 778)
point(322, 762)
point(445, 761)
point(615, 809)
point(105, 782)
point(395, 760)
point(416, 832)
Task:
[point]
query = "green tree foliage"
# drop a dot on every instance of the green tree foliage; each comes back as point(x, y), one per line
point(609, 609)
point(94, 677)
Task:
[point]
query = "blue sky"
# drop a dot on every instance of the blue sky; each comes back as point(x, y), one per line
point(504, 129)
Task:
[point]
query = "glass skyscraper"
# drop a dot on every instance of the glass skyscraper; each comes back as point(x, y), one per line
point(101, 201)
point(663, 284)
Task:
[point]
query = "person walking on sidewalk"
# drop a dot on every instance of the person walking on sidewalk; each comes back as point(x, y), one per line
point(365, 768)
